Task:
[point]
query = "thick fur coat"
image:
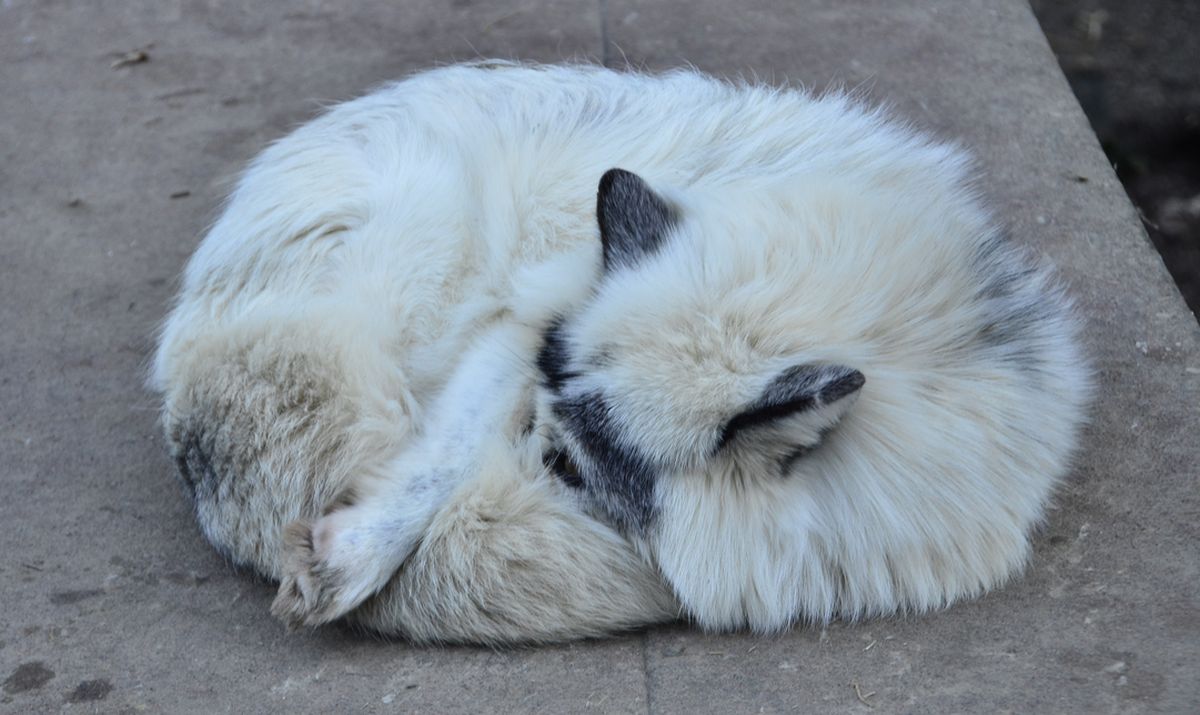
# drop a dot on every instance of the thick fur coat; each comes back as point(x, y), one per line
point(440, 369)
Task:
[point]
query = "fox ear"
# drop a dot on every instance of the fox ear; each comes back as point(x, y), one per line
point(816, 395)
point(634, 220)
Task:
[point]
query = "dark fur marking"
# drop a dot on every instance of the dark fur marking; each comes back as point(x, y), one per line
point(797, 389)
point(553, 357)
point(621, 480)
point(192, 447)
point(634, 220)
point(1013, 307)
point(847, 382)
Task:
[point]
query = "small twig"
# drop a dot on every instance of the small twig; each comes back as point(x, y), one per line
point(1146, 219)
point(870, 646)
point(862, 697)
point(502, 18)
point(133, 57)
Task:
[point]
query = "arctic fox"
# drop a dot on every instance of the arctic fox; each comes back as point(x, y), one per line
point(510, 353)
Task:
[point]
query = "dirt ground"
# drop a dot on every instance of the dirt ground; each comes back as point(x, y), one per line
point(1135, 67)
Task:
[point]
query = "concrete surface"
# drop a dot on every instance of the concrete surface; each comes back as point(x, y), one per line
point(1132, 65)
point(112, 602)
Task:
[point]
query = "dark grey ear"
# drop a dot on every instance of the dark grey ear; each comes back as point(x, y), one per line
point(633, 219)
point(822, 392)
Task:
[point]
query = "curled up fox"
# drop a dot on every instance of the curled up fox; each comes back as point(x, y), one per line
point(510, 353)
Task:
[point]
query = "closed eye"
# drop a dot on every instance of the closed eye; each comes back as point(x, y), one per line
point(560, 465)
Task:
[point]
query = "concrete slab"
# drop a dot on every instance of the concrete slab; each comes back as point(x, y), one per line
point(113, 602)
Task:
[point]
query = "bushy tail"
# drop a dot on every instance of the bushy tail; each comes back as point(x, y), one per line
point(265, 427)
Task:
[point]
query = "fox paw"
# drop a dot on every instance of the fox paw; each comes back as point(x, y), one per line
point(329, 568)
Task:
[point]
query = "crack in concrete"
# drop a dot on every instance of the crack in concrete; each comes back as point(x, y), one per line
point(646, 664)
point(605, 45)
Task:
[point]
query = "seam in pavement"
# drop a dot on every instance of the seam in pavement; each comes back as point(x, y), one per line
point(604, 43)
point(646, 661)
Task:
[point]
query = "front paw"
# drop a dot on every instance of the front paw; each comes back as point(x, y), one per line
point(329, 567)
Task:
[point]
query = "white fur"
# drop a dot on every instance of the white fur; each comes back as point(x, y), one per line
point(362, 545)
point(402, 230)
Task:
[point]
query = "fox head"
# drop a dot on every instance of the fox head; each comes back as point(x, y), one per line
point(685, 354)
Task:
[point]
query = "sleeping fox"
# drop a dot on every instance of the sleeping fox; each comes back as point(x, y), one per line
point(510, 353)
